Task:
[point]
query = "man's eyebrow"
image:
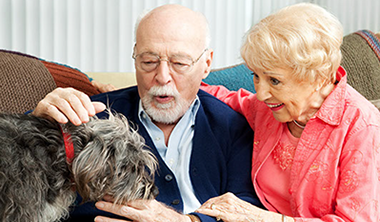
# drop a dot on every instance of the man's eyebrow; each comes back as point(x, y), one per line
point(180, 54)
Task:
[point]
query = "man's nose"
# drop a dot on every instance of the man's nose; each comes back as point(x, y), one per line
point(163, 75)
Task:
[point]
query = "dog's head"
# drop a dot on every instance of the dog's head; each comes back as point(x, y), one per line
point(111, 159)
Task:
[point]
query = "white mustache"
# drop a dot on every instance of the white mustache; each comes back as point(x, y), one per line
point(163, 91)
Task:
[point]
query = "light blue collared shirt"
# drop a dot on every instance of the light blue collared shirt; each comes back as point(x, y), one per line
point(178, 152)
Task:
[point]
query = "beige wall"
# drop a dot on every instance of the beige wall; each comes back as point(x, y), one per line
point(118, 79)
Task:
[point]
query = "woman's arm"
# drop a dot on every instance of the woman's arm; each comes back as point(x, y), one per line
point(241, 100)
point(358, 196)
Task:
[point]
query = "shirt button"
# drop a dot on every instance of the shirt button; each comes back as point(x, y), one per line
point(168, 177)
point(175, 202)
point(157, 138)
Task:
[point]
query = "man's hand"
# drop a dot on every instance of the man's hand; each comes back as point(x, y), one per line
point(140, 211)
point(64, 104)
point(103, 88)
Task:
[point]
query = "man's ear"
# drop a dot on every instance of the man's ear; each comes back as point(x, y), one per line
point(210, 56)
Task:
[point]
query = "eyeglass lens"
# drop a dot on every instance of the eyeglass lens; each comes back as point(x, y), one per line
point(149, 62)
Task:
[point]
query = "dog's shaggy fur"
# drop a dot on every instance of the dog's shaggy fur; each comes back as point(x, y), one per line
point(36, 182)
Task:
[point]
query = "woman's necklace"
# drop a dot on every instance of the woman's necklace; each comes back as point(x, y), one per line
point(298, 124)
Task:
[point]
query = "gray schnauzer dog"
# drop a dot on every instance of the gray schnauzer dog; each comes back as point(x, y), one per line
point(39, 179)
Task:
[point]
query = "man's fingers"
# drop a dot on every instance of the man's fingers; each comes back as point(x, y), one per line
point(73, 109)
point(209, 212)
point(68, 104)
point(103, 87)
point(99, 107)
point(108, 198)
point(106, 219)
point(50, 112)
point(109, 207)
point(120, 210)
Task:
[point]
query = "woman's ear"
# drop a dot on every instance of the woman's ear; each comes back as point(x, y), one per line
point(210, 56)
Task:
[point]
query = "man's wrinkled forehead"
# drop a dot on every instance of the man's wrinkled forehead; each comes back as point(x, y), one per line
point(168, 41)
point(173, 21)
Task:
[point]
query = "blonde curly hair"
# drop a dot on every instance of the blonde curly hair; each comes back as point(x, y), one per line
point(303, 37)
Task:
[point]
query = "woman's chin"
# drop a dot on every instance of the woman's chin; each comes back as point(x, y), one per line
point(281, 117)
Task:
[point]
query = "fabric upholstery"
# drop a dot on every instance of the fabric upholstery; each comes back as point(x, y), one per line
point(361, 60)
point(24, 81)
point(65, 76)
point(232, 77)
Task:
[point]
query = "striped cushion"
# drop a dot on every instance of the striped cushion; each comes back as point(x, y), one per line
point(361, 59)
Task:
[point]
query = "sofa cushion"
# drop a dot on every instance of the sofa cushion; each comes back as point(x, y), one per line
point(232, 77)
point(26, 79)
point(361, 60)
point(24, 82)
point(66, 76)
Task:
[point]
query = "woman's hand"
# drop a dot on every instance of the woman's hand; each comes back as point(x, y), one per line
point(230, 208)
point(140, 211)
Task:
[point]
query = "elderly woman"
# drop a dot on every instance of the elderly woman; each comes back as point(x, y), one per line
point(316, 154)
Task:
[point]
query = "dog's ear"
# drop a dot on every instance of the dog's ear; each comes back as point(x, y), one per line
point(134, 178)
point(90, 169)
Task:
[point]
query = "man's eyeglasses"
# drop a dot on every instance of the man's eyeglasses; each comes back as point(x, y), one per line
point(180, 64)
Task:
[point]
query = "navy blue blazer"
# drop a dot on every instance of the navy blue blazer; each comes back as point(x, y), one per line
point(220, 160)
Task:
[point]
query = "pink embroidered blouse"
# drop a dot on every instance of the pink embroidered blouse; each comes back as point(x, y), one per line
point(335, 174)
point(278, 165)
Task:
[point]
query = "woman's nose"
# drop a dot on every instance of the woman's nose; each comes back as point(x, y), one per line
point(262, 91)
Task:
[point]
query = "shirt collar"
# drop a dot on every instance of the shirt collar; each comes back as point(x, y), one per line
point(332, 108)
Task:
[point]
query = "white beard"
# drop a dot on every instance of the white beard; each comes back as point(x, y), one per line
point(167, 113)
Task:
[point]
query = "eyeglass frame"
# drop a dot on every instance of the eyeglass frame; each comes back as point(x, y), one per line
point(134, 56)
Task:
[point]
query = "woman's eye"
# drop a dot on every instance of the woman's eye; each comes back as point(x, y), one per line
point(274, 81)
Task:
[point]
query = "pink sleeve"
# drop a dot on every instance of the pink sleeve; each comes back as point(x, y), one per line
point(237, 100)
point(358, 195)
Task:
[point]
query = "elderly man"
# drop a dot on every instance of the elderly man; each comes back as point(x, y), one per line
point(202, 146)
